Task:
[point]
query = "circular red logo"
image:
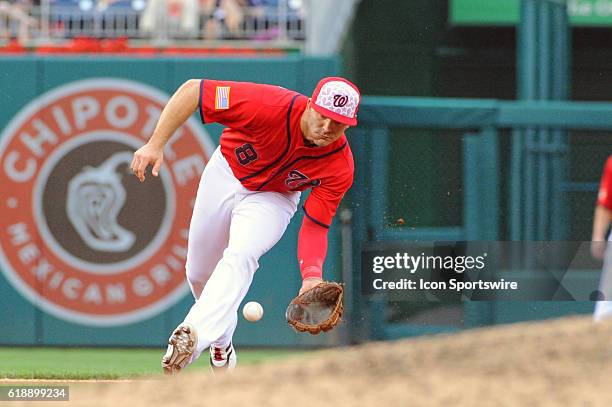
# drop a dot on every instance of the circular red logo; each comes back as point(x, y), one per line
point(79, 235)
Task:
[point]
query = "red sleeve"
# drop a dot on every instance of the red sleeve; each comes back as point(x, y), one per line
point(233, 104)
point(604, 197)
point(312, 248)
point(319, 209)
point(323, 201)
point(240, 105)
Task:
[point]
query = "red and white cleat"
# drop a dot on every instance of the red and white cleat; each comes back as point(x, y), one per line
point(181, 347)
point(222, 359)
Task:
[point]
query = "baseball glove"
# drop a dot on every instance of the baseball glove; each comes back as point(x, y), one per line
point(316, 310)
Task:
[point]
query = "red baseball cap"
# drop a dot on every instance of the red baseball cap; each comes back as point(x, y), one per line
point(338, 99)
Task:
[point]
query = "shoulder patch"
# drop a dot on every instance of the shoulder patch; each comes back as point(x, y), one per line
point(222, 94)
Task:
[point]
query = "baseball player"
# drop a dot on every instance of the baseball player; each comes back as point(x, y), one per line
point(599, 249)
point(276, 143)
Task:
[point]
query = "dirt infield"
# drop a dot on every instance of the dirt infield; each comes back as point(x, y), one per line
point(564, 362)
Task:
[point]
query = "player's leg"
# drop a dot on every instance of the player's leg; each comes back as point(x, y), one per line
point(603, 309)
point(208, 238)
point(258, 222)
point(210, 222)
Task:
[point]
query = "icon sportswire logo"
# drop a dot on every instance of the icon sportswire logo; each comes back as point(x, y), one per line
point(80, 236)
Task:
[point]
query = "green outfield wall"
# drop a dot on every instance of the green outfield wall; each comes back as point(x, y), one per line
point(427, 169)
point(65, 121)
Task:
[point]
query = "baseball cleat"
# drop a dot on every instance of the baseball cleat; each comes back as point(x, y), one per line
point(181, 346)
point(222, 359)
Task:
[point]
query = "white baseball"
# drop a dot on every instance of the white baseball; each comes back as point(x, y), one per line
point(252, 311)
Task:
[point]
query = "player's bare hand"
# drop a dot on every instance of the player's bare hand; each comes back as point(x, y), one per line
point(598, 249)
point(308, 283)
point(145, 156)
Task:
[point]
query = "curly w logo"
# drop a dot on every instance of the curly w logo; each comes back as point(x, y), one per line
point(340, 100)
point(296, 179)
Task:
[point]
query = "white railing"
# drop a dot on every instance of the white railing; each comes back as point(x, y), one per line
point(156, 22)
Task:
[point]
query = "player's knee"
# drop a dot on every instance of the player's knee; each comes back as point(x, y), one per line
point(195, 277)
point(242, 259)
point(247, 250)
point(196, 289)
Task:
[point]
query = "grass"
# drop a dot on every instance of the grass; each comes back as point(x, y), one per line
point(102, 363)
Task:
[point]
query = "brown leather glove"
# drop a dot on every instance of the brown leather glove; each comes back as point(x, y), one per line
point(318, 309)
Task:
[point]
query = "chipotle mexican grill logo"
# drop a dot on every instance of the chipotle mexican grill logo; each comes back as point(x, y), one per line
point(79, 235)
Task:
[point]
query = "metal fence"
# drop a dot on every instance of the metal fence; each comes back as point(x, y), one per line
point(402, 141)
point(158, 21)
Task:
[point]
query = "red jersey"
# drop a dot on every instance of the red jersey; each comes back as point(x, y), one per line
point(265, 148)
point(604, 198)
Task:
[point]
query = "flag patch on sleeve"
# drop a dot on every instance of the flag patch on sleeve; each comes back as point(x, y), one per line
point(222, 97)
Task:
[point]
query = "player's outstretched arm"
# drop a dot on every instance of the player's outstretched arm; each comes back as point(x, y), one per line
point(178, 109)
point(312, 249)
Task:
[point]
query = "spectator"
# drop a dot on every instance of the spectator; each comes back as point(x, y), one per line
point(601, 225)
point(15, 14)
point(175, 17)
point(225, 18)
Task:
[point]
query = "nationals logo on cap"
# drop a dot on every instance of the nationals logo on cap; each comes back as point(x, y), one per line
point(338, 99)
point(79, 235)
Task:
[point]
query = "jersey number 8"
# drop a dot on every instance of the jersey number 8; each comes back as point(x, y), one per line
point(245, 154)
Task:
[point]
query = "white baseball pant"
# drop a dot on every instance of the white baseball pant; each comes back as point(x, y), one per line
point(231, 228)
point(603, 309)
